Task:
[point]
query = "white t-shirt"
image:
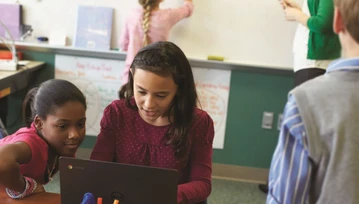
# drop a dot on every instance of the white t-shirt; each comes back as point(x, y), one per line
point(300, 47)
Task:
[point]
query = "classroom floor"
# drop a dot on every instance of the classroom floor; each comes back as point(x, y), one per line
point(223, 191)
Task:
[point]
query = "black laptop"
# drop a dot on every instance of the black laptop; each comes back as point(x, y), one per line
point(130, 184)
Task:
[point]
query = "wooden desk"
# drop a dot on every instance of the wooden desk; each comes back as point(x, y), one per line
point(48, 198)
point(12, 81)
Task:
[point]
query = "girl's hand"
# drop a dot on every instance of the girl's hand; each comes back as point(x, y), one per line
point(31, 187)
point(39, 189)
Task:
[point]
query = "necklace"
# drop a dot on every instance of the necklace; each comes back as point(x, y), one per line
point(52, 170)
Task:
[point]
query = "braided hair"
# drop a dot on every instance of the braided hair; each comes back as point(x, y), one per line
point(147, 6)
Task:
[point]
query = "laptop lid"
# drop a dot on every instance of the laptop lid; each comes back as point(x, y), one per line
point(131, 184)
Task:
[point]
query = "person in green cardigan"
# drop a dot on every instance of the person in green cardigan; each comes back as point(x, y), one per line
point(315, 44)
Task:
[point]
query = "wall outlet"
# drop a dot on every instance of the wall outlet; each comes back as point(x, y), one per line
point(280, 121)
point(267, 121)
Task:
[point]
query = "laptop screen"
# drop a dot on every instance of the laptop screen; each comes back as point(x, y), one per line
point(129, 184)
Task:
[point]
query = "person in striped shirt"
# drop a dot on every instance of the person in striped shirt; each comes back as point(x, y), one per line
point(315, 160)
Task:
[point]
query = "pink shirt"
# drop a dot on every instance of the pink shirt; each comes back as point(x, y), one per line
point(161, 22)
point(37, 167)
point(126, 138)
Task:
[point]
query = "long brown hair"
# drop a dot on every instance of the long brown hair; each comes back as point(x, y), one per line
point(147, 6)
point(165, 58)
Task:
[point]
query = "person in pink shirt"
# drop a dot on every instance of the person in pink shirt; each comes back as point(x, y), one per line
point(55, 120)
point(148, 24)
point(157, 123)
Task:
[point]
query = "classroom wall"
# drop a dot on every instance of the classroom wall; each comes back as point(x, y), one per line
point(242, 31)
point(246, 143)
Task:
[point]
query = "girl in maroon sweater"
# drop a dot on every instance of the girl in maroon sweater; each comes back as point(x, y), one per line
point(156, 122)
point(55, 120)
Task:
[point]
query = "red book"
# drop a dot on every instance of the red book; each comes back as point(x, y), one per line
point(6, 55)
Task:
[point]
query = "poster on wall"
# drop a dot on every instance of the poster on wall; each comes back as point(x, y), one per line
point(213, 87)
point(98, 79)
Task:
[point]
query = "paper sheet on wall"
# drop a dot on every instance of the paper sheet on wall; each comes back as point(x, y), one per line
point(98, 79)
point(213, 91)
point(93, 27)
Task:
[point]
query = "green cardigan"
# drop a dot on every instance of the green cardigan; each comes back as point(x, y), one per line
point(323, 43)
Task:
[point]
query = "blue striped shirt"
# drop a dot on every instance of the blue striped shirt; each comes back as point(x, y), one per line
point(291, 170)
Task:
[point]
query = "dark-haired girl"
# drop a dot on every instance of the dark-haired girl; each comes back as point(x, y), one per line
point(55, 119)
point(156, 122)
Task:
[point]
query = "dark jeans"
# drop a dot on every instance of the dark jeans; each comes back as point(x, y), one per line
point(3, 110)
point(2, 133)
